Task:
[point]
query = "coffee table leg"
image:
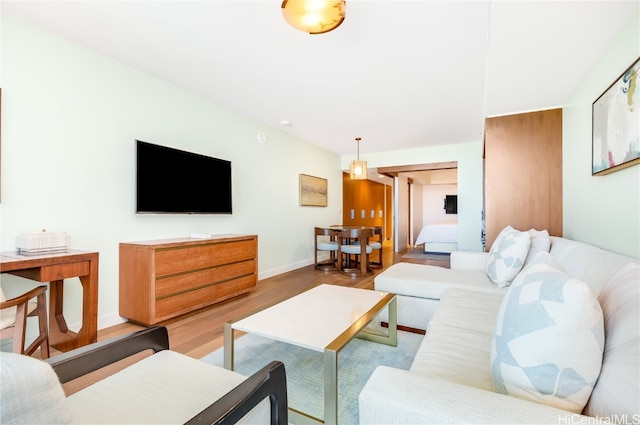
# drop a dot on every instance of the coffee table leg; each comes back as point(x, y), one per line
point(391, 338)
point(228, 346)
point(330, 387)
point(393, 322)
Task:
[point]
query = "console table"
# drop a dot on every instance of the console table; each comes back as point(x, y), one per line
point(54, 268)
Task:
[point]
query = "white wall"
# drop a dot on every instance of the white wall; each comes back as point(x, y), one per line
point(417, 210)
point(434, 195)
point(601, 210)
point(400, 213)
point(70, 118)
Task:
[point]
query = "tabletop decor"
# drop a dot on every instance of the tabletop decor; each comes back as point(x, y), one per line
point(616, 124)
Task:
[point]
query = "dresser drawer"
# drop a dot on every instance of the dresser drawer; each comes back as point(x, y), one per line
point(188, 281)
point(179, 260)
point(172, 306)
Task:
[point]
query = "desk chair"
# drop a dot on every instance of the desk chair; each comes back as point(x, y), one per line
point(13, 320)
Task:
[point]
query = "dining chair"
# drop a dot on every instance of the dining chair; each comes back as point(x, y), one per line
point(351, 259)
point(376, 245)
point(13, 320)
point(325, 241)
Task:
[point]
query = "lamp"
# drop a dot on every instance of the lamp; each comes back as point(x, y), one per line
point(358, 169)
point(314, 16)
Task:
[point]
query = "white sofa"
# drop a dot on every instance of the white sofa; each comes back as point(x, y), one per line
point(453, 376)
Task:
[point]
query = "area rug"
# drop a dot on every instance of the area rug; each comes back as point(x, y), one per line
point(418, 254)
point(304, 368)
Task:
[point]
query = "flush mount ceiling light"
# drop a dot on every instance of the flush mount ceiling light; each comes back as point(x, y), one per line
point(314, 16)
point(358, 169)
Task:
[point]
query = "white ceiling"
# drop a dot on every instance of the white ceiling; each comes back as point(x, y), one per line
point(399, 74)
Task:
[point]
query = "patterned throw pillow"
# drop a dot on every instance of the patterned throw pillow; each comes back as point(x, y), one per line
point(549, 338)
point(507, 256)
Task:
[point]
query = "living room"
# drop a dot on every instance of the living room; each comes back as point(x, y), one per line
point(68, 162)
point(71, 117)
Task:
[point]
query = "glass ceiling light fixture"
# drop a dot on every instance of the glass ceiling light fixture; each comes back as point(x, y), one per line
point(314, 16)
point(358, 169)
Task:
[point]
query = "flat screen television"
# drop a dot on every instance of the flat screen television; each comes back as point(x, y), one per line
point(170, 180)
point(451, 204)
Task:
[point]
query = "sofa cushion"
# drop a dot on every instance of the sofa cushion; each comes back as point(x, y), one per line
point(457, 344)
point(30, 392)
point(588, 263)
point(540, 242)
point(617, 392)
point(419, 280)
point(507, 256)
point(473, 310)
point(549, 338)
point(454, 354)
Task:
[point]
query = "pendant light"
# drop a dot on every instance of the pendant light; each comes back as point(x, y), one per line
point(358, 169)
point(314, 16)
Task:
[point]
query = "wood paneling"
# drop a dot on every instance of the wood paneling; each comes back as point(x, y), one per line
point(362, 195)
point(523, 172)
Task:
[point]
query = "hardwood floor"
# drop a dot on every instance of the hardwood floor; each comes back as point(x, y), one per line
point(201, 332)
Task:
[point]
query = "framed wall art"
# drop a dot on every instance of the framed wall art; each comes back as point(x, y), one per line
point(616, 124)
point(313, 191)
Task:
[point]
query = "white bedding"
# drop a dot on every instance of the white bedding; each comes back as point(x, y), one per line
point(443, 231)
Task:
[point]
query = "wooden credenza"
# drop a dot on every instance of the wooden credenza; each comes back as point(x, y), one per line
point(162, 279)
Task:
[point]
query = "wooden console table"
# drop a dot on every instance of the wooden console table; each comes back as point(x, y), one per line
point(54, 268)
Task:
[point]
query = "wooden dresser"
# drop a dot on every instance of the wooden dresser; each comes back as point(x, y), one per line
point(162, 279)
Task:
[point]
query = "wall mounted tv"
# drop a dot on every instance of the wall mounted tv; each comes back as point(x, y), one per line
point(451, 204)
point(174, 181)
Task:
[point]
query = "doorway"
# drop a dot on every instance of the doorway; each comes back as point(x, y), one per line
point(402, 210)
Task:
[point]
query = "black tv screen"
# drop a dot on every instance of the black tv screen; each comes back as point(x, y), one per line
point(451, 204)
point(170, 180)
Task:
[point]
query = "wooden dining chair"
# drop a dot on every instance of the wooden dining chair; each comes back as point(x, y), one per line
point(376, 245)
point(325, 241)
point(351, 258)
point(13, 320)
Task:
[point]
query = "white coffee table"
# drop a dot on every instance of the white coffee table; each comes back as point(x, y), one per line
point(324, 319)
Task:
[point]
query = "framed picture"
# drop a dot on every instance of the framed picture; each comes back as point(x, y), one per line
point(313, 191)
point(616, 124)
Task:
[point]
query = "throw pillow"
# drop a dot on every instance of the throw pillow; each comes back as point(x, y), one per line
point(549, 338)
point(540, 242)
point(507, 255)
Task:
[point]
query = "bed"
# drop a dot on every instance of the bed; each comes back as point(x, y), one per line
point(439, 237)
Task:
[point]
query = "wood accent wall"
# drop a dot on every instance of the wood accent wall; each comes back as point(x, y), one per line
point(523, 172)
point(363, 195)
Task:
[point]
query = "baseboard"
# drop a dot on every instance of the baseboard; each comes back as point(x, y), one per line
point(290, 267)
